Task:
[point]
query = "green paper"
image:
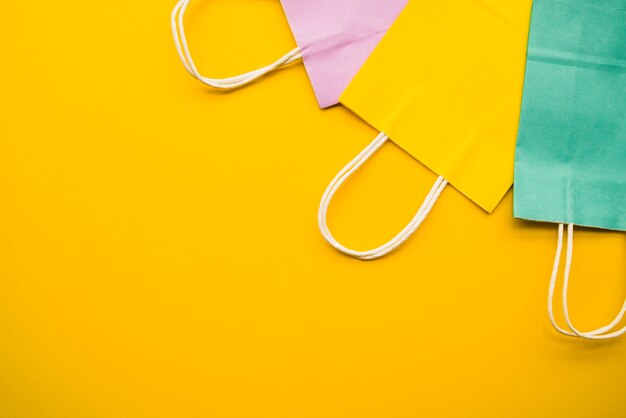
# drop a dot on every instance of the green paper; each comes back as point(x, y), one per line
point(571, 147)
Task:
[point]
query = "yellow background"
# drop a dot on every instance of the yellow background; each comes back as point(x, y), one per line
point(159, 255)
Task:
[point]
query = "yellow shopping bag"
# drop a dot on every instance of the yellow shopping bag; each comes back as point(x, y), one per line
point(445, 85)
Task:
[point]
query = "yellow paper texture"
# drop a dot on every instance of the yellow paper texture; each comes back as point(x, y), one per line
point(445, 84)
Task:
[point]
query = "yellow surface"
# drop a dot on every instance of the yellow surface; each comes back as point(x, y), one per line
point(159, 255)
point(446, 85)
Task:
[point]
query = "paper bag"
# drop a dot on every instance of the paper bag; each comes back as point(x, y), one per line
point(571, 150)
point(445, 85)
point(334, 39)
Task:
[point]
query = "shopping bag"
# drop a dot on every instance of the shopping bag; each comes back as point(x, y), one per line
point(445, 85)
point(571, 150)
point(334, 39)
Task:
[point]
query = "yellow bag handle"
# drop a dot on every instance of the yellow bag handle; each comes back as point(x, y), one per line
point(396, 241)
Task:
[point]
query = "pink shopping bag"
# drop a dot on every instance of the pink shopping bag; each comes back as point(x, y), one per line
point(334, 37)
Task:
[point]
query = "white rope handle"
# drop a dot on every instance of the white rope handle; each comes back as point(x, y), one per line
point(180, 40)
point(399, 239)
point(598, 334)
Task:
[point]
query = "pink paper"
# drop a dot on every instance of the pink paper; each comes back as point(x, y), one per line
point(336, 38)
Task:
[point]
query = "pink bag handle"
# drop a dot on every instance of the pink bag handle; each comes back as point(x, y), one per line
point(230, 83)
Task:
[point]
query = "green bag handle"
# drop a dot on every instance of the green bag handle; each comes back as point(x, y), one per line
point(598, 334)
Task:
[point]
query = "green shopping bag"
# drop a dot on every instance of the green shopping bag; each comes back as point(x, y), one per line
point(571, 150)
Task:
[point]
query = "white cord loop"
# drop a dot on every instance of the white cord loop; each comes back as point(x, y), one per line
point(399, 239)
point(598, 334)
point(180, 40)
